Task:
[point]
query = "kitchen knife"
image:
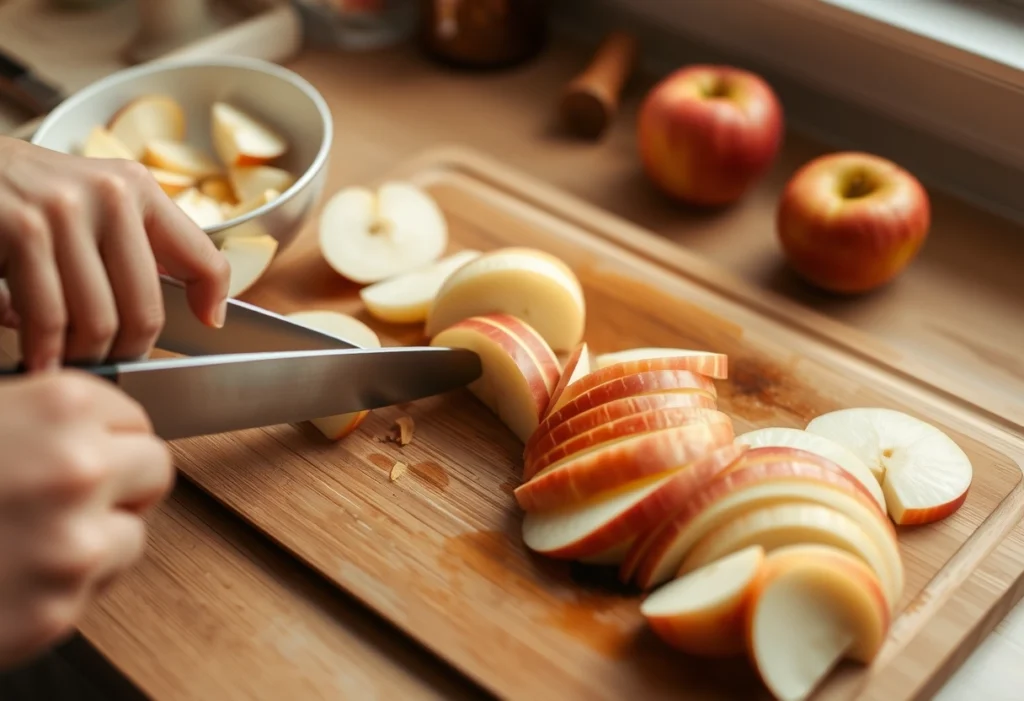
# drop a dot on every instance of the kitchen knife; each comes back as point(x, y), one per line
point(19, 84)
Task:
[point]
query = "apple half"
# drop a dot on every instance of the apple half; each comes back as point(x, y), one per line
point(178, 157)
point(519, 369)
point(100, 143)
point(926, 475)
point(717, 364)
point(249, 257)
point(406, 298)
point(147, 118)
point(704, 612)
point(530, 284)
point(241, 140)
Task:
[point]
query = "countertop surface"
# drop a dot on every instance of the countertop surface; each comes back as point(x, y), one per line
point(214, 611)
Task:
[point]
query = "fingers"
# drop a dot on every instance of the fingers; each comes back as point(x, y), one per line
point(142, 472)
point(8, 317)
point(75, 396)
point(124, 536)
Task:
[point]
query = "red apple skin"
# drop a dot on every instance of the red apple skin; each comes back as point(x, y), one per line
point(707, 133)
point(701, 367)
point(534, 342)
point(845, 244)
point(579, 354)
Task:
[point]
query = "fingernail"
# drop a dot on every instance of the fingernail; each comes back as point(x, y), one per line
point(220, 314)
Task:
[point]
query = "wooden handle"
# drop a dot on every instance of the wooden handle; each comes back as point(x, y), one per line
point(591, 99)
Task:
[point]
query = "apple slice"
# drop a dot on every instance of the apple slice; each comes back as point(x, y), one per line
point(610, 556)
point(779, 525)
point(926, 475)
point(241, 140)
point(590, 527)
point(657, 557)
point(368, 236)
point(530, 284)
point(349, 329)
point(619, 462)
point(704, 612)
point(615, 430)
point(714, 365)
point(102, 144)
point(201, 209)
point(576, 366)
point(812, 606)
point(237, 210)
point(218, 187)
point(147, 118)
point(780, 437)
point(249, 257)
point(250, 182)
point(175, 184)
point(406, 298)
point(178, 157)
point(519, 369)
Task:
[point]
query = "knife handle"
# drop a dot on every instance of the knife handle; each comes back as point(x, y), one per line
point(107, 372)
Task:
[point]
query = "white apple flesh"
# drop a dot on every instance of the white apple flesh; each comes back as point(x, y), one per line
point(203, 210)
point(241, 140)
point(251, 182)
point(174, 184)
point(578, 365)
point(249, 257)
point(102, 144)
point(406, 298)
point(178, 157)
point(147, 118)
point(626, 356)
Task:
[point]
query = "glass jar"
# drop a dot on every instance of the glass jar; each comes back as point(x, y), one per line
point(483, 33)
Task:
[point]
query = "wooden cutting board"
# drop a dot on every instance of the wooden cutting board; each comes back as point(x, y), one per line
point(438, 552)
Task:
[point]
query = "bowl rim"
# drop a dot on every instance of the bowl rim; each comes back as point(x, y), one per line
point(164, 65)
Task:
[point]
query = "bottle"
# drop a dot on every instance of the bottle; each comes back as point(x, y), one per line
point(483, 33)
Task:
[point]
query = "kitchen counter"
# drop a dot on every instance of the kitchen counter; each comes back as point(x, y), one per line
point(215, 611)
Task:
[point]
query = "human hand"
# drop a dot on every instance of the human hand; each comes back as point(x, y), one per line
point(79, 467)
point(80, 244)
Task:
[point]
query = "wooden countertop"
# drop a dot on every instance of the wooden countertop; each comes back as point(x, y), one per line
point(214, 611)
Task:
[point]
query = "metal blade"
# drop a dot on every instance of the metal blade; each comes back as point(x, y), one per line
point(213, 394)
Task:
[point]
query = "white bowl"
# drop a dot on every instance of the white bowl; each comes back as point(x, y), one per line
point(275, 95)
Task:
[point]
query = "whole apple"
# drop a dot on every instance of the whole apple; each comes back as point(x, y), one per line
point(707, 133)
point(850, 222)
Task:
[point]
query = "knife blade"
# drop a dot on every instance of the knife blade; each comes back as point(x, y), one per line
point(21, 85)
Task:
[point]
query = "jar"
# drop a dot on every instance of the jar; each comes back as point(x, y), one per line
point(483, 33)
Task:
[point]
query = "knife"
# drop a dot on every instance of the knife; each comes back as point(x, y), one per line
point(21, 85)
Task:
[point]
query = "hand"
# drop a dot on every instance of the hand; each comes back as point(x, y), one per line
point(80, 244)
point(79, 467)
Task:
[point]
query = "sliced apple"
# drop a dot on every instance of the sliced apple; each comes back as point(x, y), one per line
point(704, 612)
point(218, 187)
point(204, 211)
point(349, 329)
point(147, 118)
point(782, 437)
point(178, 157)
point(519, 369)
point(241, 140)
point(576, 366)
point(266, 197)
point(779, 525)
point(812, 606)
point(251, 182)
point(616, 464)
point(368, 236)
point(610, 556)
point(406, 298)
point(714, 365)
point(530, 284)
point(657, 557)
point(592, 526)
point(102, 144)
point(926, 475)
point(175, 184)
point(249, 257)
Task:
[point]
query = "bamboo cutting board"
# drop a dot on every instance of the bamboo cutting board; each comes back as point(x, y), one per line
point(438, 551)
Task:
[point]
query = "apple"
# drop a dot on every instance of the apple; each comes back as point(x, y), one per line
point(519, 370)
point(617, 463)
point(811, 607)
point(349, 329)
point(704, 612)
point(533, 285)
point(178, 157)
point(218, 187)
point(547, 436)
point(790, 523)
point(593, 526)
point(851, 222)
point(707, 133)
point(102, 144)
point(250, 182)
point(609, 556)
point(406, 298)
point(175, 184)
point(782, 437)
point(576, 366)
point(237, 210)
point(368, 236)
point(657, 557)
point(147, 118)
point(926, 475)
point(241, 140)
point(714, 365)
point(203, 210)
point(249, 257)
point(621, 428)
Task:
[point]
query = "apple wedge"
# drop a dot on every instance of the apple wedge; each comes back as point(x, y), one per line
point(716, 364)
point(530, 284)
point(178, 157)
point(175, 184)
point(218, 187)
point(201, 209)
point(657, 557)
point(616, 464)
point(812, 606)
point(251, 182)
point(349, 329)
point(406, 298)
point(622, 428)
point(779, 525)
point(102, 144)
point(241, 140)
point(704, 613)
point(249, 257)
point(147, 118)
point(519, 369)
point(237, 210)
point(368, 236)
point(780, 437)
point(926, 475)
point(576, 366)
point(590, 527)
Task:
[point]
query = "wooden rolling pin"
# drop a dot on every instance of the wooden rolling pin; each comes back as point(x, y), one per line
point(591, 99)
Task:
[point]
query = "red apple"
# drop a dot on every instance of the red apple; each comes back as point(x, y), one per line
point(707, 133)
point(705, 365)
point(851, 222)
